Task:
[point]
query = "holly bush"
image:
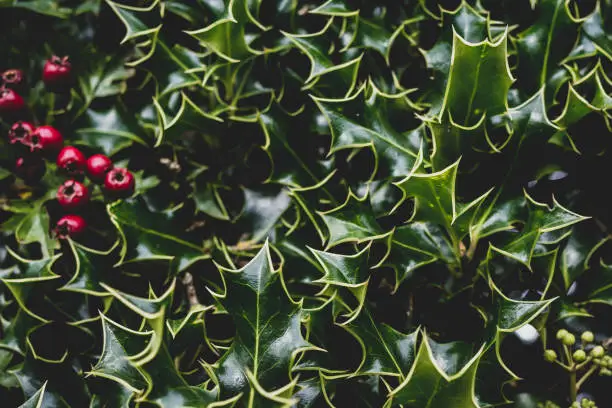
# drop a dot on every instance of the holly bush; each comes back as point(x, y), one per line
point(347, 203)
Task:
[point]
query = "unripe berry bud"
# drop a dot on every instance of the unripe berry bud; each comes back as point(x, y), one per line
point(550, 355)
point(561, 334)
point(597, 351)
point(587, 337)
point(579, 356)
point(569, 339)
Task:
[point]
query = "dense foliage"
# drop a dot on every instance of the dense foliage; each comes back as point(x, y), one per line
point(348, 203)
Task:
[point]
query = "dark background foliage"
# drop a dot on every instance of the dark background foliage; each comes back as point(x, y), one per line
point(341, 203)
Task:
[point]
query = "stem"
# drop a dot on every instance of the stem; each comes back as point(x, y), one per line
point(585, 377)
point(472, 248)
point(573, 386)
point(568, 356)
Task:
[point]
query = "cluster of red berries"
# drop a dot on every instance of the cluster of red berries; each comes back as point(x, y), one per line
point(46, 141)
point(73, 194)
point(56, 74)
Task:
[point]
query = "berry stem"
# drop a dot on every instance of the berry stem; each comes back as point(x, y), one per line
point(568, 355)
point(585, 377)
point(585, 362)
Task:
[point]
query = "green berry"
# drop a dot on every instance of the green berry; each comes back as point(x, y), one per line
point(579, 356)
point(550, 355)
point(597, 351)
point(587, 337)
point(569, 339)
point(605, 371)
point(561, 334)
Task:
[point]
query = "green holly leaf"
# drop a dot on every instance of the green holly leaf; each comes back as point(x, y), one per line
point(146, 235)
point(31, 225)
point(262, 209)
point(91, 268)
point(479, 80)
point(317, 48)
point(539, 60)
point(594, 28)
point(385, 351)
point(435, 201)
point(577, 253)
point(47, 7)
point(598, 288)
point(30, 278)
point(104, 77)
point(415, 245)
point(36, 400)
point(208, 201)
point(283, 145)
point(226, 35)
point(172, 67)
point(541, 219)
point(370, 118)
point(530, 126)
point(464, 22)
point(267, 325)
point(108, 130)
point(345, 271)
point(577, 106)
point(353, 221)
point(443, 375)
point(120, 345)
point(138, 21)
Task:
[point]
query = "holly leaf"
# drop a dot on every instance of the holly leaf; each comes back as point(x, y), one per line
point(539, 61)
point(385, 351)
point(541, 219)
point(291, 165)
point(119, 346)
point(105, 76)
point(412, 246)
point(464, 22)
point(208, 201)
point(443, 375)
point(353, 221)
point(479, 80)
point(435, 201)
point(262, 210)
point(108, 130)
point(577, 253)
point(345, 271)
point(317, 47)
point(31, 225)
point(267, 326)
point(595, 29)
point(91, 268)
point(226, 35)
point(36, 400)
point(29, 279)
point(146, 235)
point(370, 118)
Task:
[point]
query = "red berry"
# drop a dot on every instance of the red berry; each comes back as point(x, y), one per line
point(72, 194)
point(70, 226)
point(20, 132)
point(12, 76)
point(71, 160)
point(46, 138)
point(56, 71)
point(10, 100)
point(97, 166)
point(119, 182)
point(30, 168)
